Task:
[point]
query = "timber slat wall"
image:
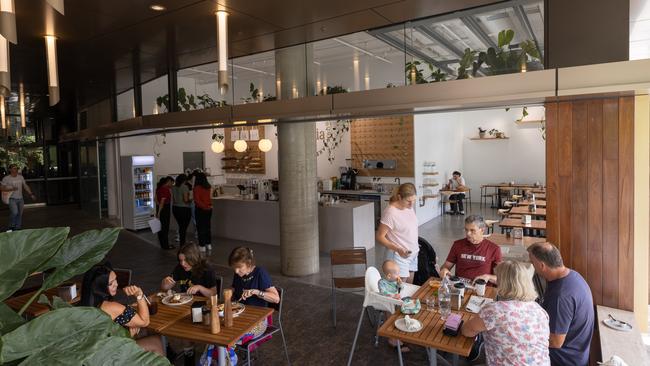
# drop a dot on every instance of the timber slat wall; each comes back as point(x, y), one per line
point(590, 197)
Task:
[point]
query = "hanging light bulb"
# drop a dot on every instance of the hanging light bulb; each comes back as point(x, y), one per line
point(5, 75)
point(241, 146)
point(265, 145)
point(52, 69)
point(222, 43)
point(8, 21)
point(3, 117)
point(217, 147)
point(21, 102)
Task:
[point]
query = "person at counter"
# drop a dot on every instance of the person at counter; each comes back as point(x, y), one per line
point(202, 193)
point(398, 231)
point(163, 204)
point(181, 206)
point(474, 256)
point(456, 184)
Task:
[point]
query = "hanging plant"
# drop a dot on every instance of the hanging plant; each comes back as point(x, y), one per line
point(331, 137)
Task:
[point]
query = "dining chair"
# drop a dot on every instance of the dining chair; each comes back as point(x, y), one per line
point(270, 330)
point(346, 257)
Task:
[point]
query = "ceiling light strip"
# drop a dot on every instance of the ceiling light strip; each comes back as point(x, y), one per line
point(222, 44)
point(362, 50)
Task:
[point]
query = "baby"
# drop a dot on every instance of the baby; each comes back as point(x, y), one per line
point(392, 284)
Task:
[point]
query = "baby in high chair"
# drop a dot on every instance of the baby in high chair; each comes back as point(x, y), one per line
point(391, 284)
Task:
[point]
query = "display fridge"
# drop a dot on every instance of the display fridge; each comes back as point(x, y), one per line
point(138, 189)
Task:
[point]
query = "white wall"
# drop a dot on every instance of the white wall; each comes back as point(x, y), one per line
point(521, 158)
point(438, 138)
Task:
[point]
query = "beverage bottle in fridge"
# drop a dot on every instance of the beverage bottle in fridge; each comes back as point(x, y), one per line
point(444, 299)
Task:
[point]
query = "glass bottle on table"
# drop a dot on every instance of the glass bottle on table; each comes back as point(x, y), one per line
point(444, 299)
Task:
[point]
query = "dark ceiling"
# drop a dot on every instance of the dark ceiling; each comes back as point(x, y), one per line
point(98, 38)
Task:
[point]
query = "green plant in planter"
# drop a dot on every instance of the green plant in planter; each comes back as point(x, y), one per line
point(466, 62)
point(413, 73)
point(188, 102)
point(69, 335)
point(506, 59)
point(337, 89)
point(256, 96)
point(205, 101)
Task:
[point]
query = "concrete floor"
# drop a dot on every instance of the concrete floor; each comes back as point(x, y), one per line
point(307, 319)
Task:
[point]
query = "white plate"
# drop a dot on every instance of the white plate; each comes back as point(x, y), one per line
point(185, 298)
point(401, 325)
point(236, 311)
point(616, 325)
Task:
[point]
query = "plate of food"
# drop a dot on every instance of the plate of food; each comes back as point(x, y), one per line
point(237, 308)
point(177, 299)
point(408, 324)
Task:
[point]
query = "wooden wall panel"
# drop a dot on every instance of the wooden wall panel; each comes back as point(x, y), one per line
point(579, 160)
point(590, 164)
point(552, 215)
point(610, 202)
point(626, 202)
point(595, 199)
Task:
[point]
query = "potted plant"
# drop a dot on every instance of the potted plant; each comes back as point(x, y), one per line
point(497, 134)
point(481, 132)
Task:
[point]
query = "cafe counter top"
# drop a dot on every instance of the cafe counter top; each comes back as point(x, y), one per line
point(342, 225)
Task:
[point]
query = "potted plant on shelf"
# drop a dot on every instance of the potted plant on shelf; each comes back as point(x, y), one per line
point(481, 132)
point(497, 134)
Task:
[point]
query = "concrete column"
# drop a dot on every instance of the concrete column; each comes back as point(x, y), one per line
point(297, 168)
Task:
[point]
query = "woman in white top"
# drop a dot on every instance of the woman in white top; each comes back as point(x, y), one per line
point(515, 328)
point(398, 230)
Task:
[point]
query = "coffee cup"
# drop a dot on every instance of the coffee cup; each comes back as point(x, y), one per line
point(479, 287)
point(454, 279)
point(460, 287)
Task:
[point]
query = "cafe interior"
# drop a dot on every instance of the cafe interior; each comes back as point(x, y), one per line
point(321, 139)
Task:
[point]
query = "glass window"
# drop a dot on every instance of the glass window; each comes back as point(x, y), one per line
point(254, 78)
point(155, 96)
point(199, 86)
point(125, 105)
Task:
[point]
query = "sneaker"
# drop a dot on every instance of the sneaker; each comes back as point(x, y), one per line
point(208, 246)
point(461, 213)
point(202, 250)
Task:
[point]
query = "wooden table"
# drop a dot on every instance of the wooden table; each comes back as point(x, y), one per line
point(512, 223)
point(176, 321)
point(539, 203)
point(526, 241)
point(431, 335)
point(523, 210)
point(446, 193)
point(35, 308)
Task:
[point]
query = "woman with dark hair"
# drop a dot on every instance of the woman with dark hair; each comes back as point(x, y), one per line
point(98, 289)
point(181, 206)
point(203, 210)
point(192, 274)
point(163, 202)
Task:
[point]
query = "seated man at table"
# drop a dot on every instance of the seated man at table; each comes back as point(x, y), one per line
point(569, 305)
point(474, 256)
point(457, 184)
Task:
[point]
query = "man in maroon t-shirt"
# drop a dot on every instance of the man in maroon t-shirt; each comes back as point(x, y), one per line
point(474, 256)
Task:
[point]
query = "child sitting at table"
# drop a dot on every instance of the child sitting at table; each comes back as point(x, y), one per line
point(392, 283)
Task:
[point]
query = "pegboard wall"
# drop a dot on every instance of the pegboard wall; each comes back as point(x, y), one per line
point(251, 161)
point(383, 139)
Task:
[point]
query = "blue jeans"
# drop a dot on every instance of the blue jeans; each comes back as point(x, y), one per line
point(15, 213)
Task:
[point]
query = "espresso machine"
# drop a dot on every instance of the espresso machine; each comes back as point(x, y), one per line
point(348, 178)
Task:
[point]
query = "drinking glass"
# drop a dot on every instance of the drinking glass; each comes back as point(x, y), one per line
point(431, 303)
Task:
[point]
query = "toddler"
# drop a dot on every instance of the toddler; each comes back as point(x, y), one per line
point(392, 283)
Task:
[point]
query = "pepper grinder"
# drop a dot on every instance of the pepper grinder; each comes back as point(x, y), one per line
point(215, 326)
point(227, 308)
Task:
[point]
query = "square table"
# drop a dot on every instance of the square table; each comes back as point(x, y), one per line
point(512, 223)
point(431, 335)
point(526, 241)
point(35, 308)
point(523, 210)
point(539, 203)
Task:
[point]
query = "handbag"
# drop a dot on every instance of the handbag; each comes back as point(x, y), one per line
point(155, 225)
point(6, 195)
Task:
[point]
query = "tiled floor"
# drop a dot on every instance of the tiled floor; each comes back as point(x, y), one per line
point(307, 317)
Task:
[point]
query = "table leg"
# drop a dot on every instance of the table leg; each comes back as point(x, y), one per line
point(433, 356)
point(222, 354)
point(399, 353)
point(454, 359)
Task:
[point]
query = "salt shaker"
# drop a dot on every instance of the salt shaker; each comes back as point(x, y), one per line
point(215, 326)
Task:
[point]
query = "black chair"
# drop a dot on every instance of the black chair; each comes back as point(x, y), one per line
point(270, 330)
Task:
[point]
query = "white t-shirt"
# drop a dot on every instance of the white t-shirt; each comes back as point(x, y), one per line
point(454, 183)
point(16, 182)
point(403, 225)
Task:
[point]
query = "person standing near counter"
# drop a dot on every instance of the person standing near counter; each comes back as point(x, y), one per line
point(163, 204)
point(202, 193)
point(181, 206)
point(15, 183)
point(398, 230)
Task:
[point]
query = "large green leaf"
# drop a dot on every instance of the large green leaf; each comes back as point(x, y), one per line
point(9, 320)
point(74, 327)
point(24, 252)
point(79, 253)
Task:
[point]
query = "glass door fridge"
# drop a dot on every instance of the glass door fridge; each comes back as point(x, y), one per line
point(138, 189)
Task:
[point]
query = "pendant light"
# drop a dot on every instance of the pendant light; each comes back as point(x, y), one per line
point(52, 69)
point(240, 146)
point(222, 43)
point(217, 147)
point(265, 145)
point(3, 117)
point(21, 103)
point(5, 74)
point(8, 21)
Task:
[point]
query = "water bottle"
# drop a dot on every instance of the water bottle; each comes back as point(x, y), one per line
point(444, 299)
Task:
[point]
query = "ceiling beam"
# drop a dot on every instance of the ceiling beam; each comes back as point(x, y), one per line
point(473, 26)
point(391, 41)
point(523, 18)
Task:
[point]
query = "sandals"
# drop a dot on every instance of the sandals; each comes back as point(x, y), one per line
point(393, 343)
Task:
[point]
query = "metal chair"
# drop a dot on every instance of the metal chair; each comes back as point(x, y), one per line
point(270, 330)
point(339, 257)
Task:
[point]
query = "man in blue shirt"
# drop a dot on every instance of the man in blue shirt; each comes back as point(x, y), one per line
point(569, 305)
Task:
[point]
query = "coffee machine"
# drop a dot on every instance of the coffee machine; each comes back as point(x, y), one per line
point(349, 178)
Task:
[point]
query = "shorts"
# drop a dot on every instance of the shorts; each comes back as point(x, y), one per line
point(406, 265)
